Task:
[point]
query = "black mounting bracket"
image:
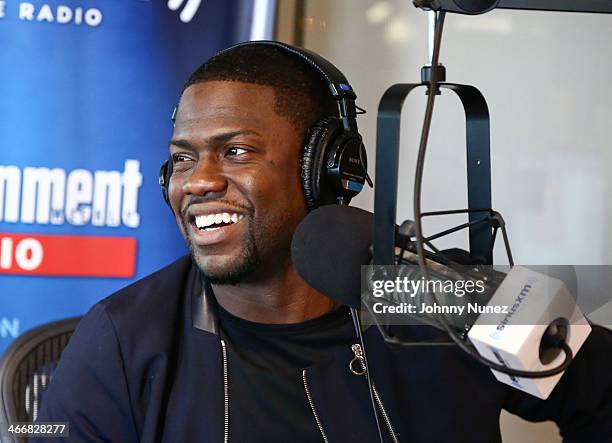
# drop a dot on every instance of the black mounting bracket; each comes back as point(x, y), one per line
point(482, 6)
point(478, 141)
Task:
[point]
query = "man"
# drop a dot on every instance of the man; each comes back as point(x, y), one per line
point(231, 345)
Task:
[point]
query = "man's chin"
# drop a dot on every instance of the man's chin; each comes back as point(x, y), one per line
point(230, 272)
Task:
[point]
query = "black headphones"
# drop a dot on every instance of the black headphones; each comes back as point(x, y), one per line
point(334, 162)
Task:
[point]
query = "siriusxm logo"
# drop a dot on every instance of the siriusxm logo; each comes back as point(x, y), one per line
point(496, 334)
point(189, 10)
point(517, 303)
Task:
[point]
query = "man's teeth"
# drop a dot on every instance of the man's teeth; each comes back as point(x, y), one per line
point(208, 221)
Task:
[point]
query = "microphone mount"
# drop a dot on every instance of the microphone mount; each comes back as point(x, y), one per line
point(474, 7)
point(479, 176)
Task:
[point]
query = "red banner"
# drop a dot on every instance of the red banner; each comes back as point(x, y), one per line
point(67, 255)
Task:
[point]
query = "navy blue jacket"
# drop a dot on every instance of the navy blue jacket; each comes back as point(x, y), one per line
point(146, 364)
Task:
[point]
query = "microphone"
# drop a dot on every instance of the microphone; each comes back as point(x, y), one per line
point(328, 248)
point(332, 243)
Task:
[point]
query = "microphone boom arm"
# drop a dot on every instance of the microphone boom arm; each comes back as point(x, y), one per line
point(597, 6)
point(482, 6)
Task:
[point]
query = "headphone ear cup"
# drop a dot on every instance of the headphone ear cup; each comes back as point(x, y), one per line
point(317, 191)
point(165, 172)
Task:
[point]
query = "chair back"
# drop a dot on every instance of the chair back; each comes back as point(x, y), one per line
point(27, 367)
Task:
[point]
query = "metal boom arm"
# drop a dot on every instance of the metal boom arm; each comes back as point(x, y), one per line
point(482, 6)
point(602, 6)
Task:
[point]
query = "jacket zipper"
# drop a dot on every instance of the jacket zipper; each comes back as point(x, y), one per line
point(312, 406)
point(356, 348)
point(225, 395)
point(358, 356)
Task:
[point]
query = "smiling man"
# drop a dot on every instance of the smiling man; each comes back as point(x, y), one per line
point(230, 344)
point(214, 345)
point(236, 193)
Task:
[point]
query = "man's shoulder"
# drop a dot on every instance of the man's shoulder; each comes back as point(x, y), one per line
point(165, 284)
point(155, 301)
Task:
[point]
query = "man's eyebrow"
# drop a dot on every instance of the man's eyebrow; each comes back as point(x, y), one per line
point(214, 139)
point(179, 143)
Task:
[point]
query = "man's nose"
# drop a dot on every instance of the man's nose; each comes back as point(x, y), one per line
point(207, 178)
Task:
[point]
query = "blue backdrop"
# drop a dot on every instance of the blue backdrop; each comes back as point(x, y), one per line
point(87, 92)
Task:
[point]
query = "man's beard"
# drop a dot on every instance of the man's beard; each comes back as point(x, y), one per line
point(241, 267)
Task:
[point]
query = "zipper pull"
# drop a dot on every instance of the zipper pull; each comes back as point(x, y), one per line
point(356, 365)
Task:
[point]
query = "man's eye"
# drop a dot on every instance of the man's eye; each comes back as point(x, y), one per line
point(180, 158)
point(235, 150)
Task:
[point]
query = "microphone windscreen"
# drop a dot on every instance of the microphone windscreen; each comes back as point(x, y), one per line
point(328, 248)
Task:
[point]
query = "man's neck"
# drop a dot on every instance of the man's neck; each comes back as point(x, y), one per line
point(278, 299)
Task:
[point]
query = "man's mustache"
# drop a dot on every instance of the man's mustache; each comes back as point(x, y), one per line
point(194, 200)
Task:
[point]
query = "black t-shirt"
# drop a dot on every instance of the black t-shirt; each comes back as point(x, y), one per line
point(267, 399)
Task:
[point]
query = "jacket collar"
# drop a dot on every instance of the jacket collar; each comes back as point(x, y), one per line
point(204, 314)
point(204, 310)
